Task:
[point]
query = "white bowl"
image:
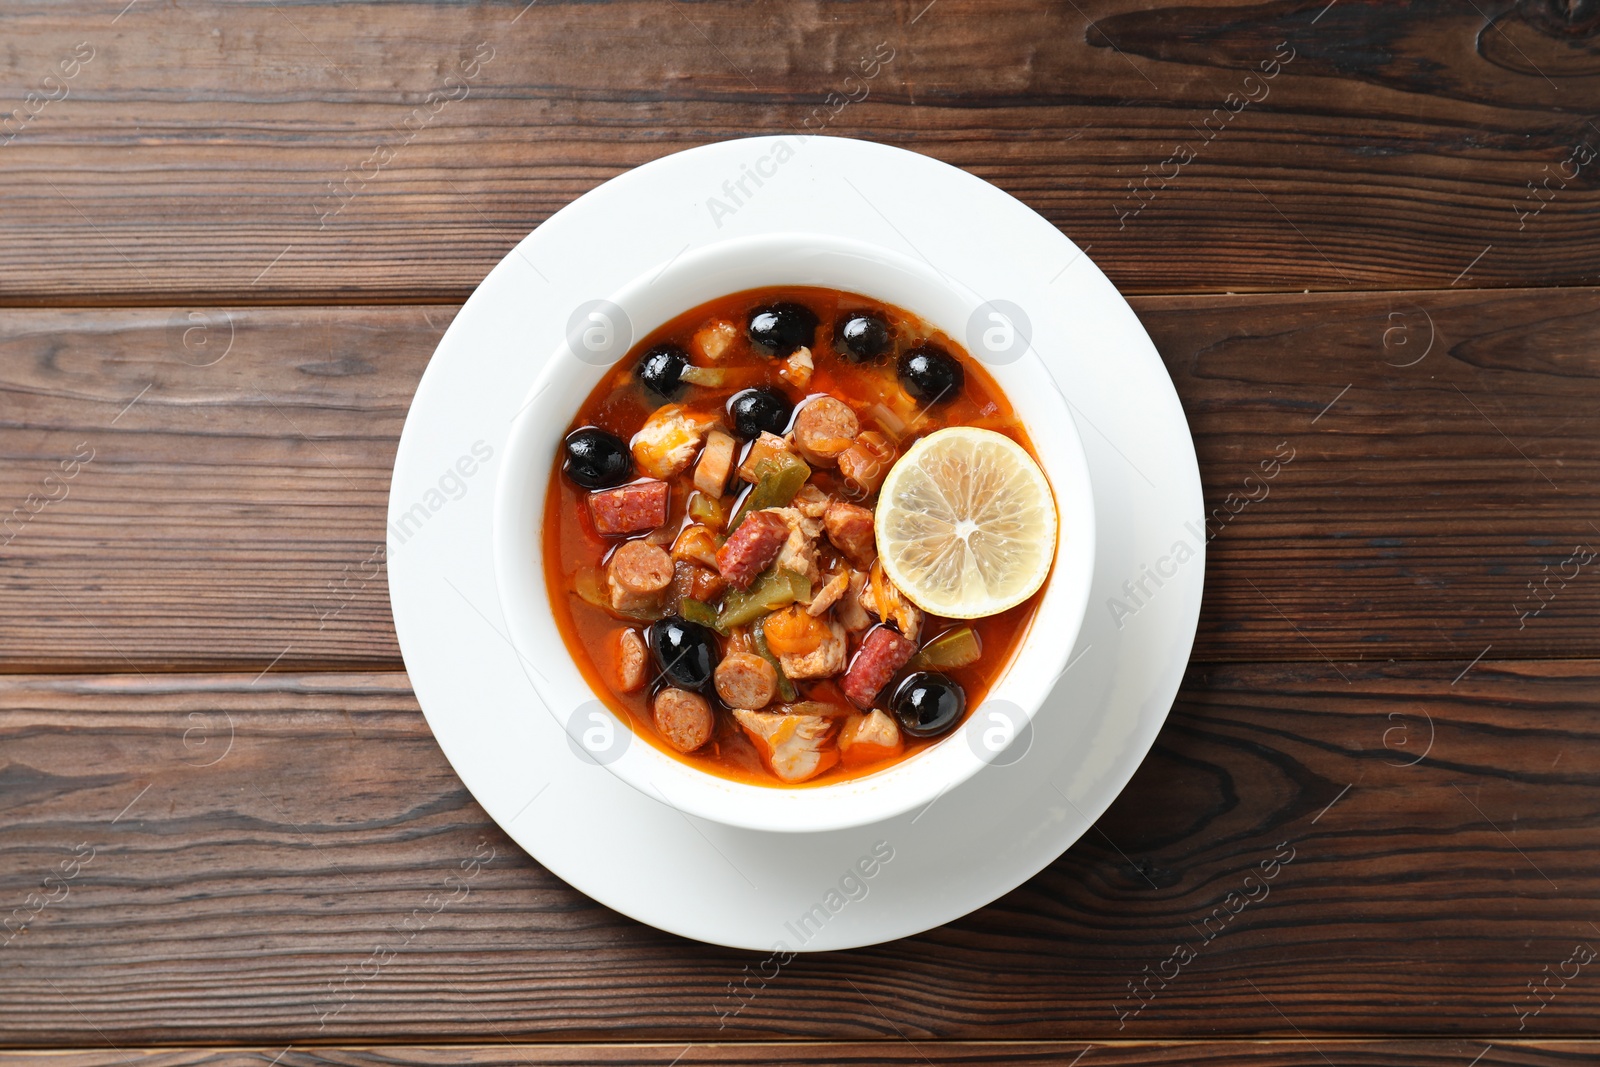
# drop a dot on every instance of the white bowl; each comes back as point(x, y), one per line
point(1000, 725)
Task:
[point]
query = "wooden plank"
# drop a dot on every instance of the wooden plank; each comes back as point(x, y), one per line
point(889, 1054)
point(231, 515)
point(324, 151)
point(1417, 852)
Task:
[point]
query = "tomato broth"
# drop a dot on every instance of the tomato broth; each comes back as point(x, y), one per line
point(716, 340)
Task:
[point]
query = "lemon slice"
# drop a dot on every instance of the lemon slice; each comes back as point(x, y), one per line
point(966, 524)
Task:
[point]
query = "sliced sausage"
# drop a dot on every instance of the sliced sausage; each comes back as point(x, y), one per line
point(751, 548)
point(745, 680)
point(683, 719)
point(631, 508)
point(636, 575)
point(715, 463)
point(866, 463)
point(850, 529)
point(631, 655)
point(879, 659)
point(824, 428)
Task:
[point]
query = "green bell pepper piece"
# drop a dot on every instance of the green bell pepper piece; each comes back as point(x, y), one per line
point(777, 481)
point(770, 592)
point(697, 611)
point(957, 648)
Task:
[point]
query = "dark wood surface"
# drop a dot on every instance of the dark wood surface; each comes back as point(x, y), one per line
point(1356, 264)
point(254, 838)
point(197, 146)
point(1415, 512)
point(1290, 1053)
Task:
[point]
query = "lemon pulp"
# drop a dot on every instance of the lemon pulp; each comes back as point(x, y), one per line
point(966, 523)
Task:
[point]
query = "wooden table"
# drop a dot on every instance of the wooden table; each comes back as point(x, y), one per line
point(233, 233)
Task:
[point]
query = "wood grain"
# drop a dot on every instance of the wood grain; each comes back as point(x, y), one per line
point(228, 516)
point(320, 152)
point(252, 841)
point(886, 1053)
point(1394, 702)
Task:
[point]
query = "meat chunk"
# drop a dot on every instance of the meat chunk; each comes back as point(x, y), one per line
point(848, 610)
point(794, 747)
point(751, 548)
point(767, 446)
point(885, 600)
point(797, 369)
point(869, 738)
point(714, 339)
point(811, 501)
point(799, 552)
point(824, 598)
point(807, 526)
point(824, 428)
point(683, 719)
point(745, 680)
point(850, 529)
point(879, 659)
point(866, 463)
point(631, 508)
point(631, 658)
point(715, 464)
point(705, 585)
point(668, 440)
point(637, 574)
point(795, 632)
point(696, 542)
point(826, 659)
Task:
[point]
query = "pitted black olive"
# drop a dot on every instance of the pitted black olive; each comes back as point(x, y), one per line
point(596, 459)
point(931, 374)
point(779, 329)
point(928, 704)
point(660, 370)
point(685, 652)
point(758, 409)
point(862, 336)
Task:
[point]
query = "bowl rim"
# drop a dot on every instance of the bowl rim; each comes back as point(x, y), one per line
point(526, 472)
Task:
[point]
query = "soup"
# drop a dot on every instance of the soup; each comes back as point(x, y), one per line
point(713, 526)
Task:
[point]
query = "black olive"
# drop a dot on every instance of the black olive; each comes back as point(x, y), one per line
point(862, 336)
point(928, 704)
point(660, 370)
point(782, 328)
point(931, 374)
point(596, 459)
point(758, 409)
point(684, 651)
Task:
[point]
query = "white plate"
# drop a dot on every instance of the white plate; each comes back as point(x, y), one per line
point(796, 892)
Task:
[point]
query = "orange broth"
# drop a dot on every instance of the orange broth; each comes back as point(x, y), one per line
point(620, 405)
